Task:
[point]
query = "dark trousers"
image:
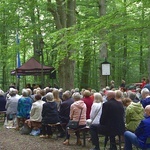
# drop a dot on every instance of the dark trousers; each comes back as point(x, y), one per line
point(95, 130)
point(46, 130)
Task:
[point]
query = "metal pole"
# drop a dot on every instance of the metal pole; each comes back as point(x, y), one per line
point(42, 56)
point(42, 77)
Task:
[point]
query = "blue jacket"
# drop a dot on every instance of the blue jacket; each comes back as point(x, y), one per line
point(145, 102)
point(143, 132)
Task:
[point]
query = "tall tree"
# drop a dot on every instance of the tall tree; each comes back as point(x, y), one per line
point(64, 16)
point(103, 47)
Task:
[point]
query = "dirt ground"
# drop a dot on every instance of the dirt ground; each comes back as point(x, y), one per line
point(13, 140)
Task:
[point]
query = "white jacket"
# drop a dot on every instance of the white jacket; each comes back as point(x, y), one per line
point(36, 111)
point(96, 111)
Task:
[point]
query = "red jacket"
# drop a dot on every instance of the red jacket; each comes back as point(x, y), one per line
point(88, 101)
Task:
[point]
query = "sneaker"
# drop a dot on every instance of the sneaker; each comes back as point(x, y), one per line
point(35, 132)
point(42, 136)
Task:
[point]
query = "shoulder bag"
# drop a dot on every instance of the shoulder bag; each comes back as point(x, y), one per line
point(74, 124)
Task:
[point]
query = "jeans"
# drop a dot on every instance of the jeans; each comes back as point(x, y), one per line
point(130, 138)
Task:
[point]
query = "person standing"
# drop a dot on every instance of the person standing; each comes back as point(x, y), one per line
point(112, 85)
point(143, 82)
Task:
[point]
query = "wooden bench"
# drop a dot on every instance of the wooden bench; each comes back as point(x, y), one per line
point(84, 132)
point(2, 116)
point(55, 128)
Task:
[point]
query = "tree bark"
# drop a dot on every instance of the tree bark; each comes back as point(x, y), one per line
point(103, 47)
point(64, 16)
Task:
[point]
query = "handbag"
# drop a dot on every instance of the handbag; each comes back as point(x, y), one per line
point(25, 129)
point(74, 124)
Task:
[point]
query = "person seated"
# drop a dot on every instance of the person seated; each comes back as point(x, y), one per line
point(23, 108)
point(77, 113)
point(88, 101)
point(2, 101)
point(145, 93)
point(56, 98)
point(65, 111)
point(133, 114)
point(119, 95)
point(133, 97)
point(141, 134)
point(11, 108)
point(35, 115)
point(111, 122)
point(49, 116)
point(96, 109)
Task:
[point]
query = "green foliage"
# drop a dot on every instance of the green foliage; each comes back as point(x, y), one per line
point(33, 22)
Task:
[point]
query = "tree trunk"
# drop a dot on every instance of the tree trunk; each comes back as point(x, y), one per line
point(64, 16)
point(86, 67)
point(103, 48)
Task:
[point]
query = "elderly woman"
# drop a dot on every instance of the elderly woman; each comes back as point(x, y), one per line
point(49, 115)
point(36, 115)
point(2, 101)
point(11, 108)
point(24, 108)
point(96, 109)
point(77, 108)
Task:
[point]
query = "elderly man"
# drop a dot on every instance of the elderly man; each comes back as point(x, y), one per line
point(145, 93)
point(141, 134)
point(111, 122)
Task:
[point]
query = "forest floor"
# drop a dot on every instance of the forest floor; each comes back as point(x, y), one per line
point(11, 139)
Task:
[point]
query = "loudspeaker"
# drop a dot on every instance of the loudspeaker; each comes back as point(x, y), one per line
point(53, 74)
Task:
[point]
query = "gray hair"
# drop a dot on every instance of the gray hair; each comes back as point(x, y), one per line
point(144, 91)
point(49, 96)
point(66, 95)
point(25, 93)
point(76, 96)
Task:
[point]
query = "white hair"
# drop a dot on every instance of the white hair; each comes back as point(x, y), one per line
point(25, 92)
point(76, 96)
point(49, 96)
point(145, 91)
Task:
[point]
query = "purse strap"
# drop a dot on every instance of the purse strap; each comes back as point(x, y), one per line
point(80, 114)
point(96, 114)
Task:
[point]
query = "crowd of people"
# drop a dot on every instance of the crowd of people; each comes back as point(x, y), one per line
point(109, 112)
